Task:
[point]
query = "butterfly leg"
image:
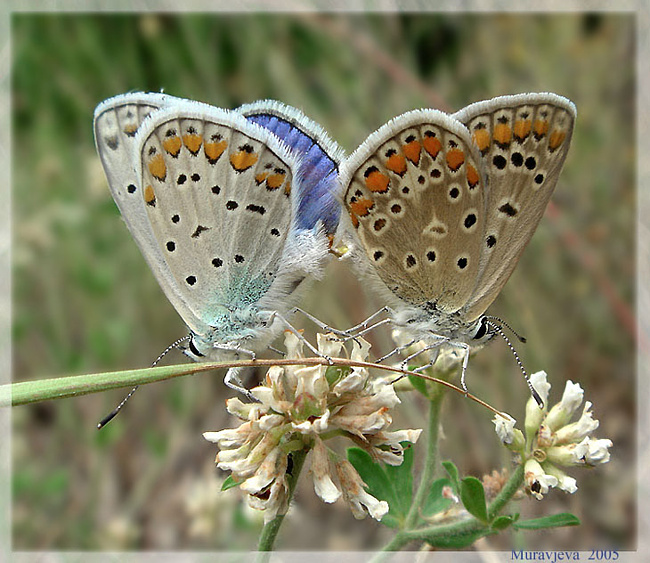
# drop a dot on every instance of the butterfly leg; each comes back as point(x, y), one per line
point(320, 324)
point(370, 328)
point(233, 380)
point(235, 350)
point(396, 350)
point(427, 348)
point(297, 334)
point(367, 323)
point(465, 351)
point(465, 348)
point(278, 352)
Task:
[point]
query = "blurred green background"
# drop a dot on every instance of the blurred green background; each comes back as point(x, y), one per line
point(84, 300)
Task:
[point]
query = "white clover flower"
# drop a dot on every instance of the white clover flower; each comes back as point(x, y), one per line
point(323, 484)
point(299, 408)
point(562, 412)
point(564, 482)
point(552, 441)
point(505, 429)
point(578, 430)
point(360, 501)
point(598, 451)
point(539, 382)
point(536, 480)
point(535, 414)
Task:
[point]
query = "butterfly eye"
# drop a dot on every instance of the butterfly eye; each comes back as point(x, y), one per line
point(482, 329)
point(194, 349)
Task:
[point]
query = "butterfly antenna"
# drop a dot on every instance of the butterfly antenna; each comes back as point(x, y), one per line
point(501, 322)
point(497, 328)
point(104, 421)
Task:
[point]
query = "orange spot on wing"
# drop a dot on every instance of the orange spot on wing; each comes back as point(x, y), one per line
point(455, 159)
point(172, 145)
point(130, 129)
point(502, 133)
point(149, 196)
point(522, 128)
point(482, 140)
point(556, 139)
point(214, 150)
point(362, 206)
point(432, 145)
point(193, 142)
point(396, 163)
point(287, 188)
point(541, 128)
point(274, 181)
point(355, 220)
point(158, 168)
point(243, 160)
point(377, 182)
point(259, 178)
point(412, 151)
point(472, 177)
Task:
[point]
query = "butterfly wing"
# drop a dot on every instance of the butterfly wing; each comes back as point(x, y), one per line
point(216, 193)
point(415, 194)
point(523, 140)
point(319, 158)
point(116, 123)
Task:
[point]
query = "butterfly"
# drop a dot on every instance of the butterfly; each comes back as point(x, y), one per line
point(232, 210)
point(441, 207)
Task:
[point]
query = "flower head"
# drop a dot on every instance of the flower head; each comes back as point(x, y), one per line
point(299, 409)
point(552, 441)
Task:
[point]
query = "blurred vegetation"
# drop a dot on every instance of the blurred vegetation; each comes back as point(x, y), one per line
point(84, 299)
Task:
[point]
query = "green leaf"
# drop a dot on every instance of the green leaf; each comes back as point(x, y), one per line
point(473, 497)
point(229, 483)
point(435, 502)
point(401, 476)
point(503, 522)
point(394, 484)
point(452, 471)
point(554, 521)
point(419, 384)
point(459, 541)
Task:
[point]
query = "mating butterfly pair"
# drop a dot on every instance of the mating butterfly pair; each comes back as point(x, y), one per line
point(235, 210)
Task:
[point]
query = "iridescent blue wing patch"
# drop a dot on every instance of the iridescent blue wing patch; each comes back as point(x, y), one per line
point(318, 155)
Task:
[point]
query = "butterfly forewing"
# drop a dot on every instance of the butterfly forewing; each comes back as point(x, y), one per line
point(524, 141)
point(415, 194)
point(217, 192)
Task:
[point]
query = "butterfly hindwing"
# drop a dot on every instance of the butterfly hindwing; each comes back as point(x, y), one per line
point(415, 192)
point(217, 193)
point(523, 140)
point(319, 159)
point(116, 123)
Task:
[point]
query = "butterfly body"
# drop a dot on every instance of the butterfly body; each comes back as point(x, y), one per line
point(441, 207)
point(428, 324)
point(213, 201)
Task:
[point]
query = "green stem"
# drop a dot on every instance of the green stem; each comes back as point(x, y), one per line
point(507, 492)
point(271, 529)
point(431, 461)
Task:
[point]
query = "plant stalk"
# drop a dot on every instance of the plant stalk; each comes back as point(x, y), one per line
point(430, 462)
